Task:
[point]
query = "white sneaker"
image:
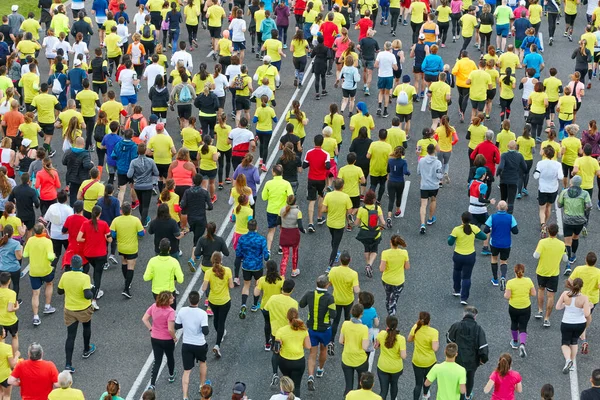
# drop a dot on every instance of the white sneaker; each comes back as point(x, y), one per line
point(95, 305)
point(113, 259)
point(99, 294)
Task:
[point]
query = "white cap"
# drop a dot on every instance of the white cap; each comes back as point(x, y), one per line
point(14, 8)
point(77, 62)
point(267, 59)
point(26, 142)
point(421, 37)
point(522, 3)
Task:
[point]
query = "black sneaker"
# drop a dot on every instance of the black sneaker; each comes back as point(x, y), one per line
point(311, 228)
point(385, 113)
point(126, 293)
point(378, 112)
point(279, 250)
point(52, 153)
point(388, 223)
point(321, 220)
point(330, 349)
point(324, 92)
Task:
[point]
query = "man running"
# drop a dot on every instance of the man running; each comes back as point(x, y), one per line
point(430, 170)
point(275, 193)
point(549, 173)
point(337, 205)
point(317, 162)
point(511, 168)
point(499, 227)
point(478, 202)
point(249, 254)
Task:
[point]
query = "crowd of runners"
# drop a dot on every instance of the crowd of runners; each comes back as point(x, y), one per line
point(120, 159)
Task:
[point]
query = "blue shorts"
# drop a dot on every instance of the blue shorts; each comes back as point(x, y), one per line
point(277, 64)
point(131, 99)
point(319, 337)
point(37, 281)
point(502, 30)
point(272, 220)
point(238, 46)
point(385, 83)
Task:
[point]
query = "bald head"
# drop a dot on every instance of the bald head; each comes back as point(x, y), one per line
point(79, 142)
point(512, 145)
point(502, 205)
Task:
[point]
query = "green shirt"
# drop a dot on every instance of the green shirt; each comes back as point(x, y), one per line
point(450, 376)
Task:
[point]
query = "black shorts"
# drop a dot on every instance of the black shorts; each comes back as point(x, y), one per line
point(570, 333)
point(570, 19)
point(222, 102)
point(551, 107)
point(156, 19)
point(417, 69)
point(208, 174)
point(12, 329)
point(355, 201)
point(547, 198)
point(479, 219)
point(190, 353)
point(242, 103)
point(426, 194)
point(438, 114)
point(123, 179)
point(47, 129)
point(315, 188)
point(184, 111)
point(490, 94)
point(272, 220)
point(346, 93)
point(550, 283)
point(567, 169)
point(163, 170)
point(431, 78)
point(100, 87)
point(248, 275)
point(504, 253)
point(404, 117)
point(133, 256)
point(29, 223)
point(215, 32)
point(478, 104)
point(4, 383)
point(193, 155)
point(570, 230)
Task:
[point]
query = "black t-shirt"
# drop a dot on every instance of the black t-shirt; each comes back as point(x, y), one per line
point(368, 47)
point(361, 147)
point(26, 199)
point(290, 137)
point(6, 31)
point(591, 394)
point(290, 169)
point(206, 248)
point(165, 228)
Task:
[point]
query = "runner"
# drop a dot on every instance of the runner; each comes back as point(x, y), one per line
point(317, 162)
point(549, 173)
point(590, 275)
point(163, 270)
point(370, 220)
point(8, 315)
point(424, 358)
point(397, 171)
point(504, 379)
point(518, 293)
point(291, 341)
point(378, 154)
point(394, 261)
point(393, 351)
point(275, 193)
point(355, 338)
point(501, 225)
point(337, 204)
point(478, 201)
point(430, 170)
point(270, 284)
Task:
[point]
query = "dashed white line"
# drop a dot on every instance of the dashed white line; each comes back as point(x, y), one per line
point(404, 198)
point(574, 382)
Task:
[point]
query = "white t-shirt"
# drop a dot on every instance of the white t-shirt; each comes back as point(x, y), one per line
point(239, 136)
point(184, 56)
point(151, 72)
point(80, 48)
point(49, 43)
point(549, 173)
point(66, 46)
point(138, 20)
point(236, 26)
point(149, 132)
point(386, 62)
point(280, 396)
point(591, 6)
point(126, 78)
point(221, 83)
point(57, 214)
point(192, 319)
point(123, 33)
point(233, 70)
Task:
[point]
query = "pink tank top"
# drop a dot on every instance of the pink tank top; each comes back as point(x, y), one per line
point(181, 175)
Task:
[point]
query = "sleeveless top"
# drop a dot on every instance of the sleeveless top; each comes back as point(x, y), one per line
point(429, 31)
point(419, 54)
point(573, 314)
point(5, 161)
point(528, 88)
point(181, 175)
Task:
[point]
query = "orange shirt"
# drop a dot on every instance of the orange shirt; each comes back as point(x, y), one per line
point(13, 119)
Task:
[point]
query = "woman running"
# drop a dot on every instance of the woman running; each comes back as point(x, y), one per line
point(251, 178)
point(577, 89)
point(426, 340)
point(397, 170)
point(389, 364)
point(354, 336)
point(220, 280)
point(298, 119)
point(162, 334)
point(289, 238)
point(263, 118)
point(518, 292)
point(113, 391)
point(525, 146)
point(350, 77)
point(182, 170)
point(504, 380)
point(269, 284)
point(291, 341)
point(11, 254)
point(463, 238)
point(224, 148)
point(507, 92)
point(394, 262)
point(111, 209)
point(208, 165)
point(47, 182)
point(286, 385)
point(299, 47)
point(446, 137)
point(370, 219)
point(538, 104)
point(577, 315)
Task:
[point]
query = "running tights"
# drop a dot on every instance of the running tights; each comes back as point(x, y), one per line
point(505, 108)
point(286, 256)
point(144, 197)
point(508, 192)
point(57, 246)
point(388, 382)
point(160, 348)
point(392, 294)
point(519, 318)
point(444, 157)
point(463, 268)
point(455, 24)
point(416, 28)
point(525, 177)
point(192, 32)
point(219, 318)
point(444, 28)
point(336, 239)
point(484, 41)
point(552, 17)
point(470, 383)
point(338, 316)
point(395, 191)
point(378, 180)
point(207, 125)
point(224, 163)
point(463, 98)
point(264, 138)
point(15, 278)
point(394, 15)
point(319, 77)
point(72, 334)
point(349, 374)
point(267, 328)
point(294, 369)
point(420, 376)
point(98, 264)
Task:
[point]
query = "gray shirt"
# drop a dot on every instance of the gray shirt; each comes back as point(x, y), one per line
point(143, 170)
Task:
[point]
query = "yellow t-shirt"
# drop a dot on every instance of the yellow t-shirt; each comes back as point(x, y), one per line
point(538, 105)
point(66, 394)
point(444, 141)
point(87, 99)
point(225, 47)
point(590, 275)
point(127, 228)
point(336, 124)
point(206, 160)
point(389, 359)
point(343, 279)
point(353, 354)
point(535, 13)
point(503, 138)
point(439, 90)
point(416, 15)
point(551, 251)
point(112, 45)
point(241, 220)
point(380, 152)
point(299, 48)
point(520, 289)
point(45, 107)
point(27, 48)
point(74, 283)
point(423, 143)
point(65, 118)
point(191, 15)
point(526, 147)
point(555, 146)
point(30, 131)
point(596, 13)
point(423, 355)
point(351, 175)
point(259, 16)
point(494, 74)
point(30, 83)
point(5, 353)
point(551, 86)
point(394, 268)
point(477, 135)
point(268, 289)
point(219, 288)
point(337, 203)
point(361, 394)
point(278, 306)
point(92, 194)
point(443, 13)
point(172, 202)
point(7, 296)
point(273, 46)
point(265, 117)
point(465, 244)
point(571, 7)
point(329, 145)
point(292, 342)
point(571, 146)
point(509, 59)
point(113, 109)
point(469, 22)
point(40, 253)
point(566, 105)
point(506, 91)
point(395, 137)
point(480, 81)
point(215, 16)
point(410, 92)
point(161, 145)
point(298, 126)
point(191, 138)
point(588, 167)
point(222, 135)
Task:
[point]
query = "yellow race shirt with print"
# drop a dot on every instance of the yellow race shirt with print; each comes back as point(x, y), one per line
point(74, 283)
point(343, 279)
point(588, 167)
point(338, 203)
point(465, 244)
point(444, 141)
point(265, 117)
point(268, 289)
point(353, 354)
point(7, 296)
point(410, 92)
point(32, 26)
point(278, 307)
point(380, 152)
point(389, 359)
point(394, 268)
point(480, 81)
point(299, 48)
point(551, 251)
point(423, 354)
point(329, 145)
point(161, 144)
point(503, 138)
point(590, 275)
point(127, 228)
point(572, 145)
point(292, 342)
point(520, 289)
point(351, 175)
point(219, 288)
point(358, 121)
point(439, 91)
point(206, 160)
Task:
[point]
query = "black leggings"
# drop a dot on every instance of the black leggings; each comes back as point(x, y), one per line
point(89, 130)
point(395, 191)
point(349, 374)
point(263, 145)
point(378, 180)
point(505, 108)
point(444, 27)
point(525, 177)
point(15, 278)
point(294, 369)
point(160, 348)
point(57, 246)
point(389, 382)
point(463, 98)
point(484, 41)
point(519, 318)
point(552, 17)
point(226, 160)
point(338, 316)
point(415, 31)
point(420, 376)
point(336, 239)
point(113, 62)
point(319, 77)
point(219, 318)
point(394, 14)
point(98, 264)
point(72, 334)
point(208, 125)
point(455, 25)
point(144, 197)
point(192, 32)
point(537, 124)
point(267, 327)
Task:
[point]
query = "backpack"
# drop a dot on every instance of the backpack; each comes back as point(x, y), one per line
point(402, 99)
point(370, 228)
point(185, 96)
point(146, 31)
point(238, 83)
point(134, 125)
point(56, 86)
point(99, 132)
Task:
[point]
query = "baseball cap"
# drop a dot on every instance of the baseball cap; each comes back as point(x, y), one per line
point(14, 8)
point(77, 62)
point(153, 118)
point(160, 126)
point(406, 79)
point(26, 142)
point(421, 37)
point(76, 261)
point(239, 388)
point(479, 172)
point(267, 59)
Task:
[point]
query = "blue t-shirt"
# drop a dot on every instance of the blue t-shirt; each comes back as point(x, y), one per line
point(174, 19)
point(110, 141)
point(521, 25)
point(368, 316)
point(100, 7)
point(76, 77)
point(8, 260)
point(123, 14)
point(533, 60)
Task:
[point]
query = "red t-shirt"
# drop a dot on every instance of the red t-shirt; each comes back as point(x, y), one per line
point(95, 240)
point(490, 152)
point(316, 159)
point(73, 225)
point(329, 30)
point(299, 7)
point(363, 24)
point(37, 378)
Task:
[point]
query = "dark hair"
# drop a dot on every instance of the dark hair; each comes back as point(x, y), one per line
point(345, 257)
point(552, 229)
point(591, 259)
point(547, 392)
point(211, 228)
point(397, 240)
point(108, 191)
point(367, 380)
point(7, 233)
point(96, 211)
point(424, 319)
point(392, 331)
point(596, 377)
point(357, 310)
point(164, 246)
point(466, 219)
point(519, 270)
point(574, 286)
point(194, 298)
point(288, 286)
point(272, 274)
point(366, 299)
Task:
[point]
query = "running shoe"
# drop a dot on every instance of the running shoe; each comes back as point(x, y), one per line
point(95, 305)
point(369, 271)
point(126, 293)
point(385, 113)
point(255, 307)
point(422, 230)
point(464, 302)
point(268, 346)
point(36, 321)
point(147, 222)
point(568, 270)
point(446, 179)
point(243, 312)
point(519, 197)
point(69, 368)
point(330, 349)
point(192, 265)
point(220, 186)
point(337, 257)
point(352, 217)
point(546, 323)
point(367, 92)
point(426, 396)
point(311, 228)
point(135, 205)
point(236, 281)
point(522, 351)
point(92, 350)
point(502, 284)
point(584, 232)
point(397, 214)
point(209, 312)
point(172, 377)
point(155, 190)
point(321, 220)
point(524, 191)
point(432, 220)
point(572, 259)
point(514, 344)
point(99, 294)
point(320, 372)
point(275, 380)
point(311, 383)
point(378, 112)
point(113, 259)
point(550, 41)
point(538, 315)
point(494, 282)
point(214, 198)
point(279, 250)
point(151, 387)
point(388, 223)
point(228, 181)
point(567, 367)
point(486, 251)
point(585, 347)
point(295, 272)
point(217, 351)
point(48, 309)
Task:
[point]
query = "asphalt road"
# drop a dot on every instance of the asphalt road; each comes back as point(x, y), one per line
point(123, 343)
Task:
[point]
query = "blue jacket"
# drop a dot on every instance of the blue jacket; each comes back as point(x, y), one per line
point(397, 168)
point(124, 152)
point(432, 65)
point(502, 224)
point(109, 142)
point(266, 26)
point(109, 211)
point(252, 250)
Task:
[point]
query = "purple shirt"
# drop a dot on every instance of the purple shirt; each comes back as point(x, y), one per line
point(282, 15)
point(252, 176)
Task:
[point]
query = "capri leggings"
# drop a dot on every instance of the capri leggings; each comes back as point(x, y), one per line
point(519, 318)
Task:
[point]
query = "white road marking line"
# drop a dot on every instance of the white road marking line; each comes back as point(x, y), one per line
point(425, 99)
point(559, 219)
point(224, 225)
point(404, 198)
point(25, 271)
point(574, 382)
point(371, 359)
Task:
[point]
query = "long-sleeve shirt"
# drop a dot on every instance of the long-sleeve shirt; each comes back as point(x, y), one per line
point(512, 166)
point(252, 250)
point(163, 271)
point(194, 203)
point(397, 168)
point(143, 171)
point(490, 152)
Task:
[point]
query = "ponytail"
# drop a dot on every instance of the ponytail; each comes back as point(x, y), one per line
point(508, 75)
point(424, 319)
point(242, 201)
point(217, 268)
point(6, 234)
point(504, 364)
point(211, 227)
point(392, 331)
point(296, 323)
point(298, 113)
point(291, 200)
point(520, 270)
point(263, 101)
point(446, 123)
point(466, 223)
point(96, 211)
point(206, 141)
point(397, 240)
